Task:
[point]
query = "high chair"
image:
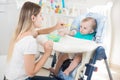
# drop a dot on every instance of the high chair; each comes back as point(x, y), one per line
point(85, 69)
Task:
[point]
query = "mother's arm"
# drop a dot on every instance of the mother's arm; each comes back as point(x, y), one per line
point(50, 29)
point(31, 67)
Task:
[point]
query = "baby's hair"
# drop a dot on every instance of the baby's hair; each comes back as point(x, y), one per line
point(94, 25)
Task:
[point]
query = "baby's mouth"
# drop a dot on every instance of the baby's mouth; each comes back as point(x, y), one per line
point(81, 32)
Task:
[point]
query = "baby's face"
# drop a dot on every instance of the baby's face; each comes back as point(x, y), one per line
point(86, 28)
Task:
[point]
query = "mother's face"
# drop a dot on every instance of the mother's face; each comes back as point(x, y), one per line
point(37, 20)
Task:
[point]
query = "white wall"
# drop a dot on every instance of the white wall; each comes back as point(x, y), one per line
point(8, 18)
point(115, 50)
point(2, 66)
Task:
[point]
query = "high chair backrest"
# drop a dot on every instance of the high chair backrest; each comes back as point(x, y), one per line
point(100, 25)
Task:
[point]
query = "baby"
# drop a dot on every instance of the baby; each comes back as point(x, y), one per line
point(86, 31)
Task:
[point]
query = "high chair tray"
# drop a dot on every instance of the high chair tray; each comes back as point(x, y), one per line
point(68, 44)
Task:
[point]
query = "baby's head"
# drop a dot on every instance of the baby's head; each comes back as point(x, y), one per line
point(88, 25)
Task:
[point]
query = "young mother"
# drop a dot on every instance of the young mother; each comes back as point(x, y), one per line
point(23, 48)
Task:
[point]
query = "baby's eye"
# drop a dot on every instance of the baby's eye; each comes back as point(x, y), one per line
point(84, 27)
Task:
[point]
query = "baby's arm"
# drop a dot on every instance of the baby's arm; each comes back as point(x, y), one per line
point(77, 59)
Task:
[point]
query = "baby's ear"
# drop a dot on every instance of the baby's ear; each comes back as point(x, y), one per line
point(92, 31)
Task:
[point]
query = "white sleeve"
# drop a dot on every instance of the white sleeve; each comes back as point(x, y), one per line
point(31, 47)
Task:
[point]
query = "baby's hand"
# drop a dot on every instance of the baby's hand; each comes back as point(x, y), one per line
point(63, 32)
point(73, 32)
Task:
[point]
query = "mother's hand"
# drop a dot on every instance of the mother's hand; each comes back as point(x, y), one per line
point(60, 25)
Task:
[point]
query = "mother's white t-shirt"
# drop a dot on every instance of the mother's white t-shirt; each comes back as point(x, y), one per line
point(15, 69)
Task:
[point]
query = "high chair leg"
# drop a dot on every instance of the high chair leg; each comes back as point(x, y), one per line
point(98, 55)
point(109, 73)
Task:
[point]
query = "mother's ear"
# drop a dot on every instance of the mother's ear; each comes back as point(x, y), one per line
point(33, 18)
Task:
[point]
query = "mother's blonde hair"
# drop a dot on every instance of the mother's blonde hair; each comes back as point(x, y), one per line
point(24, 24)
